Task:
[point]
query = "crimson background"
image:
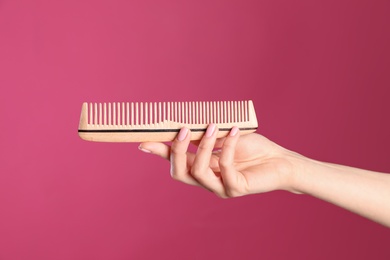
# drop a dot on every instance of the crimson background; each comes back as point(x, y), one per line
point(317, 71)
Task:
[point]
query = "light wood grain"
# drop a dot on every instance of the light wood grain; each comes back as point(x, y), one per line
point(160, 122)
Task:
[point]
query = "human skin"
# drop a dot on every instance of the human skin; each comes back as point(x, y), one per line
point(252, 164)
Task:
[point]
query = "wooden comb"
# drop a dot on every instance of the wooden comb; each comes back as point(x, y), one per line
point(161, 121)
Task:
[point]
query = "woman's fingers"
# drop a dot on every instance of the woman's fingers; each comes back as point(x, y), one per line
point(213, 170)
point(159, 149)
point(234, 181)
point(200, 169)
point(179, 160)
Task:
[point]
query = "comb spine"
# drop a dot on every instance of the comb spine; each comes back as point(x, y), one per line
point(84, 116)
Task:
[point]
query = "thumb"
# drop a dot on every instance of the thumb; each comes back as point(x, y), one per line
point(159, 149)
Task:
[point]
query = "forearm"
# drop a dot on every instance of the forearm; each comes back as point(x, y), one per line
point(363, 192)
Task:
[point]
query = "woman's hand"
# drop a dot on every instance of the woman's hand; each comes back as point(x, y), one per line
point(231, 166)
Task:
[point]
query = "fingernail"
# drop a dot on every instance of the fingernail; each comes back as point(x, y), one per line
point(234, 131)
point(144, 150)
point(182, 134)
point(210, 130)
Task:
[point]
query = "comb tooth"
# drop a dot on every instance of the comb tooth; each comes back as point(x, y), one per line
point(239, 111)
point(236, 112)
point(190, 110)
point(95, 114)
point(188, 114)
point(210, 112)
point(193, 115)
point(185, 114)
point(182, 112)
point(146, 113)
point(215, 112)
point(119, 108)
point(160, 119)
point(189, 117)
point(157, 119)
point(232, 112)
point(118, 105)
point(215, 108)
point(123, 114)
point(196, 112)
point(219, 111)
point(104, 113)
point(100, 114)
point(153, 107)
point(143, 105)
point(132, 113)
point(113, 118)
point(223, 112)
point(118, 111)
point(174, 110)
point(204, 112)
point(142, 113)
point(90, 121)
point(230, 116)
point(168, 111)
point(151, 112)
point(242, 111)
point(114, 114)
point(211, 119)
point(179, 112)
point(207, 113)
point(127, 114)
point(246, 111)
point(136, 113)
point(109, 114)
point(201, 113)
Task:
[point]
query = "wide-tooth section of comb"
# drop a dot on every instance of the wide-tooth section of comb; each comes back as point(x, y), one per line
point(161, 118)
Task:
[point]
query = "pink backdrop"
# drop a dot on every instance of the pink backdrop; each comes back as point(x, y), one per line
point(317, 71)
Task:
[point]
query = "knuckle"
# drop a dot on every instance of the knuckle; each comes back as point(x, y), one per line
point(233, 192)
point(224, 162)
point(175, 150)
point(205, 145)
point(175, 175)
point(222, 195)
point(197, 173)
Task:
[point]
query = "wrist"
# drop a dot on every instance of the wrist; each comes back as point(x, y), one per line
point(298, 167)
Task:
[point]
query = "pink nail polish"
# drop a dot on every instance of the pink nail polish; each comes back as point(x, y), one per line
point(182, 134)
point(210, 130)
point(234, 131)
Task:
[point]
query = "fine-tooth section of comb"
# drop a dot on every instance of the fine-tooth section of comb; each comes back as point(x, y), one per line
point(161, 121)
